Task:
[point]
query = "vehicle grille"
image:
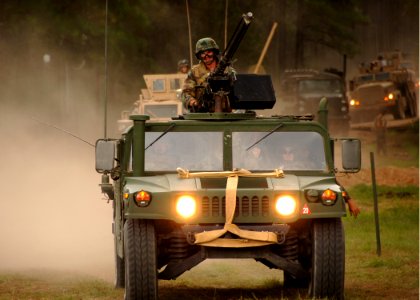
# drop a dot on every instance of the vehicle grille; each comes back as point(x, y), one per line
point(335, 105)
point(371, 95)
point(245, 206)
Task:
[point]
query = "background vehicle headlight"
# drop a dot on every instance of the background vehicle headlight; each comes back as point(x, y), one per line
point(186, 206)
point(354, 102)
point(286, 205)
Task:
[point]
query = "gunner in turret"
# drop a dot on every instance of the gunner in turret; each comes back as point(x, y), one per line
point(193, 91)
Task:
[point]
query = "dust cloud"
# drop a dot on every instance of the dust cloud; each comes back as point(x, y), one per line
point(53, 216)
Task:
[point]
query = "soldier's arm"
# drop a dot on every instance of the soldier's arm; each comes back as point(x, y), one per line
point(188, 95)
point(353, 208)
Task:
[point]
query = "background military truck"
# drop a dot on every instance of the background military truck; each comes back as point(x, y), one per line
point(387, 85)
point(228, 185)
point(160, 99)
point(301, 90)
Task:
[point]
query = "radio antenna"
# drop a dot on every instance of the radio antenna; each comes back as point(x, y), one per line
point(226, 21)
point(63, 130)
point(106, 71)
point(189, 31)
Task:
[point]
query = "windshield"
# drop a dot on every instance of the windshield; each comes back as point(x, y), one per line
point(382, 76)
point(254, 151)
point(161, 111)
point(279, 150)
point(365, 78)
point(320, 86)
point(195, 151)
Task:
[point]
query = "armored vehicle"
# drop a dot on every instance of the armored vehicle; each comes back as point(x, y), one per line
point(302, 89)
point(227, 185)
point(160, 99)
point(387, 86)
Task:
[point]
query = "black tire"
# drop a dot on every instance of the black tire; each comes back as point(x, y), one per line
point(140, 260)
point(119, 279)
point(413, 105)
point(119, 275)
point(400, 109)
point(295, 283)
point(328, 255)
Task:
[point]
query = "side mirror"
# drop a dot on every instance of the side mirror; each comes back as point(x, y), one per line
point(104, 155)
point(351, 155)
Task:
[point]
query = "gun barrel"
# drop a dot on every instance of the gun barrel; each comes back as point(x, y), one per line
point(234, 42)
point(238, 34)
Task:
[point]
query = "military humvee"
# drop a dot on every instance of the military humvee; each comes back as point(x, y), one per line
point(301, 90)
point(228, 185)
point(160, 99)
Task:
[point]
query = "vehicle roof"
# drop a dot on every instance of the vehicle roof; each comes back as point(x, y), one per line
point(212, 122)
point(295, 74)
point(162, 87)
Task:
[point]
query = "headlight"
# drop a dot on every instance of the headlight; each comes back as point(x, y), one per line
point(186, 206)
point(286, 205)
point(354, 102)
point(390, 96)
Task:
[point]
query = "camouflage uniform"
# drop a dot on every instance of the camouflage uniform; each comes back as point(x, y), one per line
point(195, 84)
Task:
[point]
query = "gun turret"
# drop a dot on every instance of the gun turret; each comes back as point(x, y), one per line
point(233, 44)
point(220, 84)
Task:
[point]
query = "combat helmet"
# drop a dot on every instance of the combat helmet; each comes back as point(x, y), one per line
point(183, 62)
point(206, 44)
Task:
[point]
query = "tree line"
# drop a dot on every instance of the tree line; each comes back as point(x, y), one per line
point(150, 36)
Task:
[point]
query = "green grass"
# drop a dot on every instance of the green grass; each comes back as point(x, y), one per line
point(395, 273)
point(54, 285)
point(402, 148)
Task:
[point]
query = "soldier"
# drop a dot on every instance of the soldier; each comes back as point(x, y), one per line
point(183, 66)
point(207, 52)
point(353, 208)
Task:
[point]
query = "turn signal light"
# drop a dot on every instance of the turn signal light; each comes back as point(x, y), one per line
point(328, 197)
point(142, 198)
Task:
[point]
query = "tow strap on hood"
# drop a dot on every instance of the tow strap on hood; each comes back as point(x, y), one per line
point(248, 238)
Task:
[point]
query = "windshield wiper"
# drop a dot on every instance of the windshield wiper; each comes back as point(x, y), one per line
point(160, 136)
point(273, 130)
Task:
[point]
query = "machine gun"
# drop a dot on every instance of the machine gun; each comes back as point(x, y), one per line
point(219, 84)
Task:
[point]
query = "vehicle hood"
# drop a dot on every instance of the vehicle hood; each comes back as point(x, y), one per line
point(319, 96)
point(171, 182)
point(380, 84)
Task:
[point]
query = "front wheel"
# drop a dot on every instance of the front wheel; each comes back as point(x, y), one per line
point(140, 260)
point(328, 255)
point(119, 279)
point(400, 109)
